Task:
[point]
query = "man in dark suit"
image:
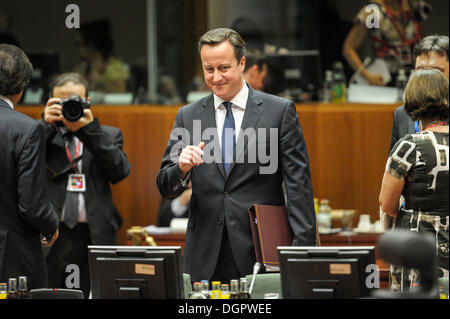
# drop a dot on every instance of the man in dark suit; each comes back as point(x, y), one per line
point(80, 192)
point(25, 212)
point(220, 143)
point(431, 53)
point(256, 69)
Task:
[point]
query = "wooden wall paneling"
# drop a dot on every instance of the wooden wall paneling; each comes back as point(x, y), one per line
point(347, 147)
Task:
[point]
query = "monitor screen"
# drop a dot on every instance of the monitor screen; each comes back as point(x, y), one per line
point(326, 272)
point(136, 272)
point(297, 74)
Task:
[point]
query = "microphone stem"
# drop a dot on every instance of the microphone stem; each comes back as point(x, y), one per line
point(255, 272)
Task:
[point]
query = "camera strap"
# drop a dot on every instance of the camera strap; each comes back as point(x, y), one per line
point(74, 155)
point(65, 170)
point(70, 152)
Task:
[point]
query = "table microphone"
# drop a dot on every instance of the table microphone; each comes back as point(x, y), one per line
point(256, 268)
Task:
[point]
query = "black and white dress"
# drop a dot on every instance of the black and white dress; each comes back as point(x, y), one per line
point(422, 160)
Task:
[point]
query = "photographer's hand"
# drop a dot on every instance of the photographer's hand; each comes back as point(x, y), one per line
point(85, 120)
point(49, 242)
point(53, 111)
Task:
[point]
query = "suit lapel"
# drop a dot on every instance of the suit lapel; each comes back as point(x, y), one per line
point(60, 161)
point(58, 165)
point(253, 111)
point(86, 161)
point(208, 120)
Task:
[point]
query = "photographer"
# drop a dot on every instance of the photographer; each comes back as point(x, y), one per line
point(82, 158)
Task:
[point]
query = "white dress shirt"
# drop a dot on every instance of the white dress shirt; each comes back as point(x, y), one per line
point(82, 216)
point(8, 101)
point(238, 104)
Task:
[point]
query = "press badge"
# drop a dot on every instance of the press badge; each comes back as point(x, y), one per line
point(76, 183)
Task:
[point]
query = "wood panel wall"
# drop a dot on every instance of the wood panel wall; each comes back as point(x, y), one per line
point(347, 145)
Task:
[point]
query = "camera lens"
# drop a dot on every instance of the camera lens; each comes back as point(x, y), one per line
point(72, 110)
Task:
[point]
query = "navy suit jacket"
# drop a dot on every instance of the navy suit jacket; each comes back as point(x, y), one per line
point(219, 199)
point(25, 212)
point(401, 126)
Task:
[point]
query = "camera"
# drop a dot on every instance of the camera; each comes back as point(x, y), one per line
point(73, 107)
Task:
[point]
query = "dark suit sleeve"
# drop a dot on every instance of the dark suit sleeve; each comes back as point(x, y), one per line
point(297, 179)
point(49, 131)
point(395, 130)
point(168, 180)
point(32, 189)
point(107, 149)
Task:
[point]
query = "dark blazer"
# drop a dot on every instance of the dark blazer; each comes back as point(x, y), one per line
point(25, 212)
point(219, 199)
point(103, 162)
point(401, 126)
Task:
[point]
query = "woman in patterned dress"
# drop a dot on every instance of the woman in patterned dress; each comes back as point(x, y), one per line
point(392, 39)
point(417, 172)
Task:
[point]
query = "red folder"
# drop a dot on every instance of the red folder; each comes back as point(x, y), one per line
point(270, 229)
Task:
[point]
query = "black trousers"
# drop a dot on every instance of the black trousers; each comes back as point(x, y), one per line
point(226, 268)
point(71, 248)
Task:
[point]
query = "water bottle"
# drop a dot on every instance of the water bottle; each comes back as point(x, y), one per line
point(339, 87)
point(197, 293)
point(324, 217)
point(401, 82)
point(327, 86)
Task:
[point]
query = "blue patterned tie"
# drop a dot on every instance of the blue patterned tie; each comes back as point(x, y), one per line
point(228, 140)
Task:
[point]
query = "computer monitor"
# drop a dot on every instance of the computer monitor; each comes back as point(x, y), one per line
point(136, 272)
point(326, 272)
point(297, 73)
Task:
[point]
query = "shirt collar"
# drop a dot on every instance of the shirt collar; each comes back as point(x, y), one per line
point(240, 100)
point(8, 101)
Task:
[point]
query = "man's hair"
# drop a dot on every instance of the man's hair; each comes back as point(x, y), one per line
point(433, 43)
point(15, 70)
point(254, 57)
point(64, 78)
point(426, 95)
point(217, 36)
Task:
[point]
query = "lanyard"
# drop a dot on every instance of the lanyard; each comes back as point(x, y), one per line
point(77, 152)
point(441, 123)
point(405, 18)
point(417, 128)
point(394, 21)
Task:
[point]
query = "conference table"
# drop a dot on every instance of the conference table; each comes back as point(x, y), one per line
point(338, 239)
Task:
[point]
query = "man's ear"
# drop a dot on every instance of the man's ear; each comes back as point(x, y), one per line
point(242, 63)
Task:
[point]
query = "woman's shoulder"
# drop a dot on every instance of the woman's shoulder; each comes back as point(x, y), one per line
point(370, 9)
point(404, 145)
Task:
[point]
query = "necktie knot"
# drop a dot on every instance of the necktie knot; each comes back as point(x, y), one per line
point(68, 136)
point(227, 106)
